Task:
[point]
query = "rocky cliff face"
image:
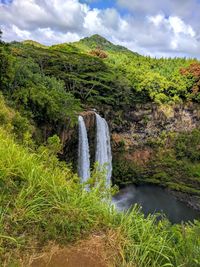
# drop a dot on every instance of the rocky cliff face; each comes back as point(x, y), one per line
point(151, 121)
point(135, 128)
point(134, 134)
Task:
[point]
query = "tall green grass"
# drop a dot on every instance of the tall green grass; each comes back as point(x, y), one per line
point(42, 200)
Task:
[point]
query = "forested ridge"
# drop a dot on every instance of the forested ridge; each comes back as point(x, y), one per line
point(92, 71)
point(43, 89)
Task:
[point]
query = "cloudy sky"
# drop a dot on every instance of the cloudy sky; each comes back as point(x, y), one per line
point(150, 27)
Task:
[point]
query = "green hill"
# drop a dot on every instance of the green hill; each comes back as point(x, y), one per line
point(93, 42)
point(34, 43)
point(97, 41)
point(99, 72)
point(43, 89)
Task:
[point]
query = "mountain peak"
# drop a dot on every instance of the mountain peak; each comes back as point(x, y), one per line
point(96, 37)
point(97, 41)
point(34, 43)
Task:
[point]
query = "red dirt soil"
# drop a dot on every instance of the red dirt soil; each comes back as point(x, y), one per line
point(91, 252)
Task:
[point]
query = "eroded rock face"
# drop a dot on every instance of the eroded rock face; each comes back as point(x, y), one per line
point(150, 121)
point(132, 129)
point(89, 118)
point(139, 156)
point(134, 134)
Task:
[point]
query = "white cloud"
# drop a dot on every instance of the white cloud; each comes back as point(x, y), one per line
point(187, 10)
point(173, 22)
point(21, 33)
point(179, 26)
point(156, 20)
point(93, 22)
point(158, 28)
point(182, 8)
point(181, 36)
point(58, 14)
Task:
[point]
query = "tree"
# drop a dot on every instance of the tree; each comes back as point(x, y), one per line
point(1, 35)
point(45, 97)
point(6, 67)
point(156, 87)
point(192, 73)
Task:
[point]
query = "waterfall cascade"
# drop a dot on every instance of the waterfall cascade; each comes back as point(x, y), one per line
point(103, 153)
point(83, 151)
point(103, 148)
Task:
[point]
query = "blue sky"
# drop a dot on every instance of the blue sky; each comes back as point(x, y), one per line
point(100, 4)
point(5, 1)
point(158, 28)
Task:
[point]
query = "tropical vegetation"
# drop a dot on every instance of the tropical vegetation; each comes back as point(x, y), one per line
point(43, 89)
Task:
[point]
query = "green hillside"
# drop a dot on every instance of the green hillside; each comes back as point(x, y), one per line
point(43, 90)
point(109, 72)
point(97, 41)
point(34, 43)
point(50, 205)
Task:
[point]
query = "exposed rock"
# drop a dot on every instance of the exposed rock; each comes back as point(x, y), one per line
point(121, 140)
point(140, 156)
point(132, 129)
point(191, 200)
point(133, 132)
point(150, 120)
point(89, 118)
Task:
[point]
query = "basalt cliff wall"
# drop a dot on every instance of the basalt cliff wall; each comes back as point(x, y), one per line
point(134, 129)
point(136, 134)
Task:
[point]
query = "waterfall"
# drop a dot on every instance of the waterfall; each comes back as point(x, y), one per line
point(103, 147)
point(83, 151)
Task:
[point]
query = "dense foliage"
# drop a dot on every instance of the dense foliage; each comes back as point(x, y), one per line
point(175, 163)
point(98, 73)
point(37, 96)
point(50, 205)
point(44, 89)
point(49, 84)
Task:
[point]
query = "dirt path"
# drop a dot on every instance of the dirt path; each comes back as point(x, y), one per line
point(92, 252)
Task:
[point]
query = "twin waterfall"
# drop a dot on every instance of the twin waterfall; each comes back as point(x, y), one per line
point(103, 149)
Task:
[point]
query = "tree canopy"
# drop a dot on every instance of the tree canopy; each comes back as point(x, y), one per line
point(50, 84)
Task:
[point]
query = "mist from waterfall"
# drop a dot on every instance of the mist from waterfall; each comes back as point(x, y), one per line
point(83, 152)
point(103, 148)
